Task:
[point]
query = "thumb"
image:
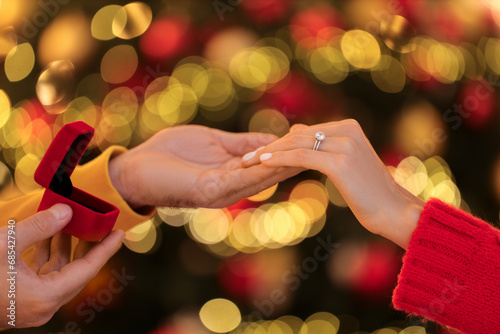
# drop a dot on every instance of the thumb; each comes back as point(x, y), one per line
point(42, 225)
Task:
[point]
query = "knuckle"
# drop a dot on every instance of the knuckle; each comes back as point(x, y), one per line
point(341, 162)
point(352, 125)
point(301, 154)
point(293, 141)
point(349, 145)
point(41, 222)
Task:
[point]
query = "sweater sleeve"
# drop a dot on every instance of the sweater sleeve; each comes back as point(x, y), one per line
point(451, 271)
point(93, 177)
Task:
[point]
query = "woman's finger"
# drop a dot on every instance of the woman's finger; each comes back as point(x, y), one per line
point(305, 158)
point(339, 145)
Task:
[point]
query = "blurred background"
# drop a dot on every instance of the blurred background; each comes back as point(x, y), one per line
point(421, 77)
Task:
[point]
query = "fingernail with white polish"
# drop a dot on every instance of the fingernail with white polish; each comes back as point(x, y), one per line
point(260, 148)
point(266, 156)
point(248, 156)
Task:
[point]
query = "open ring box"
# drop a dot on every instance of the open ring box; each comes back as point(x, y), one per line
point(92, 218)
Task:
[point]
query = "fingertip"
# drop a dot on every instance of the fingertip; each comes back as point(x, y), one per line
point(265, 156)
point(120, 235)
point(248, 156)
point(60, 211)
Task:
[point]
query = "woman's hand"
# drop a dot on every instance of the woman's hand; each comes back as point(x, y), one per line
point(193, 166)
point(348, 159)
point(50, 279)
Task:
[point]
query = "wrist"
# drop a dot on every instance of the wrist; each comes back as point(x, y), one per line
point(405, 221)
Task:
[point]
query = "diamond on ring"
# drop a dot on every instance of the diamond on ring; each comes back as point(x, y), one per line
point(320, 136)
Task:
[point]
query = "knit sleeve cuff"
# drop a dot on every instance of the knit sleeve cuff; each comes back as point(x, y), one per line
point(93, 177)
point(447, 268)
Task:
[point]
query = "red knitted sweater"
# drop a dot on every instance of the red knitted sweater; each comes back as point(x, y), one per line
point(451, 271)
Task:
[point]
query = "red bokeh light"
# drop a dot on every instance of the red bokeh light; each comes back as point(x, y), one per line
point(477, 102)
point(266, 11)
point(166, 38)
point(315, 23)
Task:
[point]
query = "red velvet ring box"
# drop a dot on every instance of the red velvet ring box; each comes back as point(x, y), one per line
point(93, 218)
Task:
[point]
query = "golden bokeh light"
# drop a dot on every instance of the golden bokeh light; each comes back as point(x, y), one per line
point(241, 236)
point(8, 41)
point(107, 20)
point(220, 315)
point(360, 49)
point(474, 61)
point(141, 238)
point(386, 331)
point(55, 86)
point(259, 68)
point(16, 131)
point(113, 129)
point(223, 46)
point(210, 226)
point(119, 64)
point(412, 175)
point(420, 131)
point(334, 194)
point(177, 104)
point(4, 108)
point(428, 179)
point(397, 32)
point(318, 326)
point(67, 37)
point(19, 62)
point(328, 64)
point(389, 75)
point(6, 179)
point(413, 330)
point(312, 197)
point(264, 194)
point(269, 121)
point(81, 109)
point(121, 101)
point(138, 17)
point(443, 61)
point(491, 51)
point(175, 216)
point(24, 173)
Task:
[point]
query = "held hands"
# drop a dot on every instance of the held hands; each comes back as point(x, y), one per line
point(193, 166)
point(348, 159)
point(51, 279)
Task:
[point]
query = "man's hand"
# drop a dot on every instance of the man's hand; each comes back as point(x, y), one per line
point(51, 279)
point(193, 166)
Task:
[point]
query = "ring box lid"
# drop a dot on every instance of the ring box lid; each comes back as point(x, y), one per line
point(63, 156)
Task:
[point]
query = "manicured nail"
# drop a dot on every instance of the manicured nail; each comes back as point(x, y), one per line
point(260, 148)
point(60, 211)
point(266, 156)
point(248, 156)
